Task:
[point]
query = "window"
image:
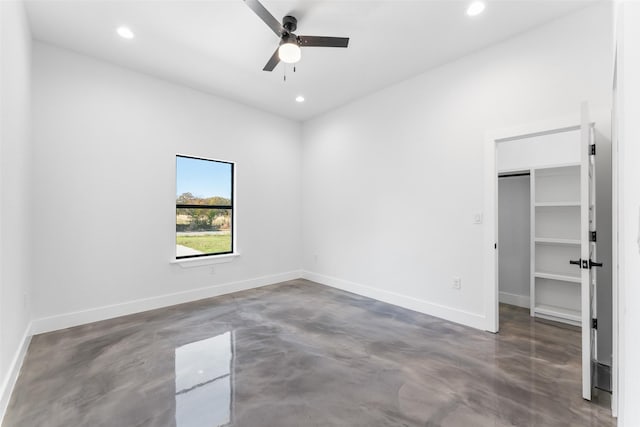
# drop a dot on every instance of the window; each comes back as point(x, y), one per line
point(204, 207)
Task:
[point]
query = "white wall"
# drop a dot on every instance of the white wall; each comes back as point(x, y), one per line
point(538, 151)
point(105, 140)
point(392, 181)
point(514, 239)
point(15, 149)
point(628, 39)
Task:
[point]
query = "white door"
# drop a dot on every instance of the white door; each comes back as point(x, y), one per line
point(588, 250)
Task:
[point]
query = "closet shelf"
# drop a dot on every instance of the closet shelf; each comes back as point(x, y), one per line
point(559, 277)
point(559, 312)
point(558, 204)
point(554, 241)
point(555, 235)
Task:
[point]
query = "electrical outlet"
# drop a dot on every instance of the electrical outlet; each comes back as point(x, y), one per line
point(456, 283)
point(477, 218)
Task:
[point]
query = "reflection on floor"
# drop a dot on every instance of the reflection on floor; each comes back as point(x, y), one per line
point(203, 374)
point(301, 354)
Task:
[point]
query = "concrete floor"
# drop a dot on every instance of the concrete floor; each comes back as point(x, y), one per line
point(302, 354)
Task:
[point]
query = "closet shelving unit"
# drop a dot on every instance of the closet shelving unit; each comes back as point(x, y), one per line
point(555, 239)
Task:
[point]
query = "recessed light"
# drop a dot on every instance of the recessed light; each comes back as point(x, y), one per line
point(476, 8)
point(299, 98)
point(125, 33)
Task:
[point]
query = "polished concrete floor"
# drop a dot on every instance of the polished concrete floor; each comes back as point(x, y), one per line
point(301, 354)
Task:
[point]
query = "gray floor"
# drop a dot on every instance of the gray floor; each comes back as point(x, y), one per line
point(301, 354)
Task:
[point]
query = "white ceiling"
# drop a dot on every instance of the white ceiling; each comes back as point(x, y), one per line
point(220, 46)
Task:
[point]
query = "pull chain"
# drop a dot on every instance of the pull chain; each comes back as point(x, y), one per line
point(284, 71)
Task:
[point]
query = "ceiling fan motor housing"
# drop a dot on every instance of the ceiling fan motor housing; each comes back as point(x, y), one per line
point(289, 23)
point(289, 38)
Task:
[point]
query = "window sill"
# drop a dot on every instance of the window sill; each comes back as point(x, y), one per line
point(205, 260)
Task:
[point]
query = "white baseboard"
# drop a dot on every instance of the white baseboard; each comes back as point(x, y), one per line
point(515, 299)
point(448, 313)
point(14, 369)
point(67, 320)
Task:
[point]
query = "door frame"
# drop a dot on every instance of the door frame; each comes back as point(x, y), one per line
point(490, 239)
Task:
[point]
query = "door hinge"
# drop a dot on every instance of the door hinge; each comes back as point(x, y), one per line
point(593, 149)
point(593, 236)
point(594, 323)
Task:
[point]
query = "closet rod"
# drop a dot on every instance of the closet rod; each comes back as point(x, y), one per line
point(514, 174)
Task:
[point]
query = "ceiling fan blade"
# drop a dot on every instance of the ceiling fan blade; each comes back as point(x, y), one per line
point(265, 15)
point(316, 41)
point(273, 61)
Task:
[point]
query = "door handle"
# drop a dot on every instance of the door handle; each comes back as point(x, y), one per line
point(594, 264)
point(585, 264)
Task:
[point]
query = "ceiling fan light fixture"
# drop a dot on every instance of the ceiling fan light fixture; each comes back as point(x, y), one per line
point(289, 52)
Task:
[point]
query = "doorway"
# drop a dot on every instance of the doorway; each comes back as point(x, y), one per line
point(557, 232)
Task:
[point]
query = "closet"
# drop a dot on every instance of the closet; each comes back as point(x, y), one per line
point(541, 278)
point(561, 176)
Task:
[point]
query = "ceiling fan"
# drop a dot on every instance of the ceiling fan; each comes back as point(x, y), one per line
point(289, 49)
